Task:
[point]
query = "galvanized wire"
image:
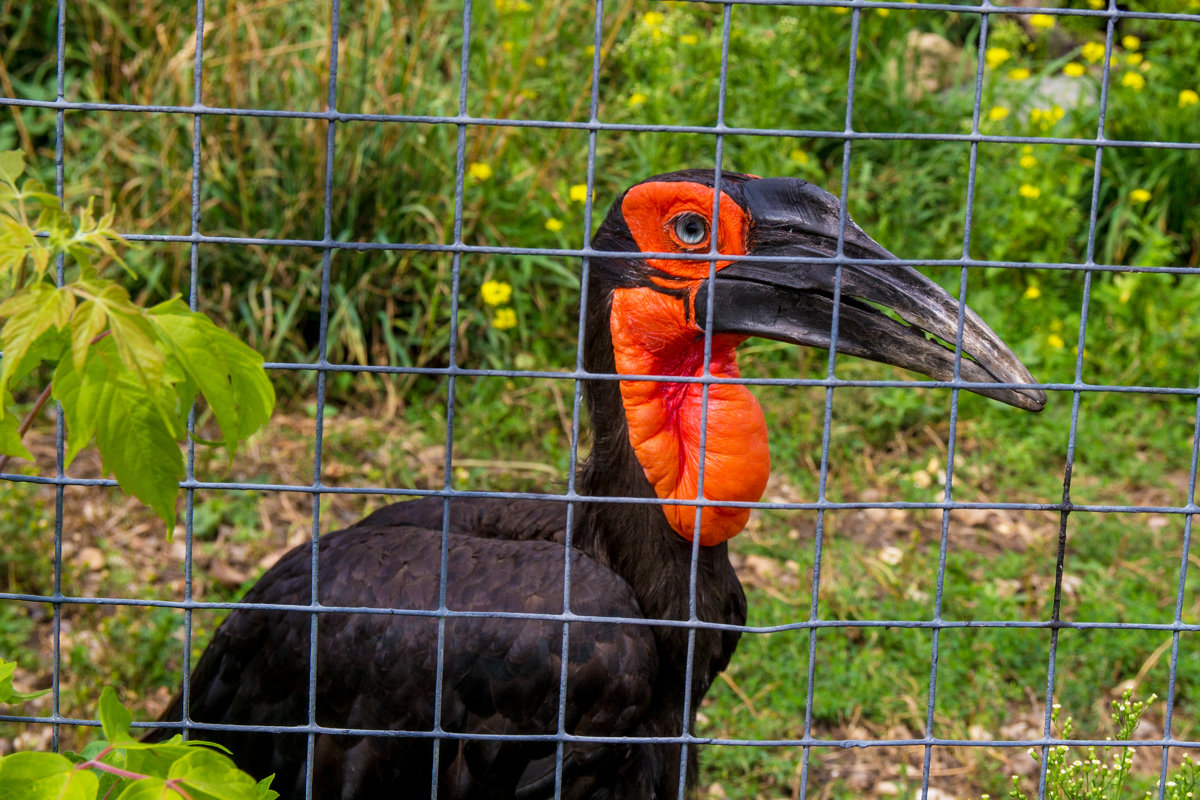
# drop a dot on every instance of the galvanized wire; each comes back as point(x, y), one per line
point(463, 121)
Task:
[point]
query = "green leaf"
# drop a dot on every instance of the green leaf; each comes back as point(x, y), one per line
point(215, 775)
point(227, 373)
point(114, 717)
point(16, 243)
point(89, 320)
point(156, 758)
point(7, 668)
point(12, 164)
point(11, 445)
point(265, 792)
point(149, 789)
point(89, 751)
point(33, 189)
point(55, 222)
point(31, 313)
point(137, 443)
point(45, 776)
point(134, 337)
point(103, 238)
point(47, 348)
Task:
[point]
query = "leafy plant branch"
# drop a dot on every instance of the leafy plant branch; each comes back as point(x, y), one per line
point(121, 767)
point(126, 376)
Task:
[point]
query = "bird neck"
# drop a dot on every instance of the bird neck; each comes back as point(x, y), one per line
point(667, 421)
point(636, 540)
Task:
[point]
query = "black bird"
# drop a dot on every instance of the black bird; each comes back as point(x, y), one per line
point(646, 315)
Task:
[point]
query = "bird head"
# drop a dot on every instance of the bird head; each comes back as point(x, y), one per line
point(649, 310)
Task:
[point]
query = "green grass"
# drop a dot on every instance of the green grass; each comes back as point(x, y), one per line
point(394, 182)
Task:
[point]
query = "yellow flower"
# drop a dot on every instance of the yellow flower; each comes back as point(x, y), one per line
point(1055, 341)
point(1029, 192)
point(1188, 97)
point(841, 10)
point(997, 113)
point(1028, 162)
point(1018, 74)
point(1043, 21)
point(1093, 51)
point(800, 157)
point(578, 193)
point(883, 12)
point(554, 225)
point(539, 61)
point(689, 39)
point(1074, 69)
point(1096, 4)
point(636, 99)
point(1133, 80)
point(504, 319)
point(1046, 119)
point(652, 19)
point(1027, 150)
point(1139, 196)
point(496, 293)
point(995, 56)
point(1133, 59)
point(479, 171)
point(1130, 42)
point(507, 45)
point(1032, 293)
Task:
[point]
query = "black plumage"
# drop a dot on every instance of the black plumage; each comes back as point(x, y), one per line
point(378, 671)
point(502, 675)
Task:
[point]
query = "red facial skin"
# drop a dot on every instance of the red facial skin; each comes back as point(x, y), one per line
point(653, 335)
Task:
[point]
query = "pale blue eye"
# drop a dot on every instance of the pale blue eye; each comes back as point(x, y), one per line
point(691, 228)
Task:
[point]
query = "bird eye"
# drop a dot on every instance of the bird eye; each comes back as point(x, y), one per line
point(691, 229)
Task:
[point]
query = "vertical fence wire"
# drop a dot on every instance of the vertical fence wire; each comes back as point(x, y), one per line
point(1076, 397)
point(189, 503)
point(685, 728)
point(59, 428)
point(451, 386)
point(322, 377)
point(1169, 713)
point(827, 420)
point(577, 396)
point(948, 494)
point(463, 122)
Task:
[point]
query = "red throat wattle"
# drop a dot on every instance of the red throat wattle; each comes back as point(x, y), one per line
point(653, 334)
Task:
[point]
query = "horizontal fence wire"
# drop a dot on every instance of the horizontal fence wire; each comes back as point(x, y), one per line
point(320, 615)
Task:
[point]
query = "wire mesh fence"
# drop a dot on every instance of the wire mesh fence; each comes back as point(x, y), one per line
point(330, 240)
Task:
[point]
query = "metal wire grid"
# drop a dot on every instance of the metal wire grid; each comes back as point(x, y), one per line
point(462, 121)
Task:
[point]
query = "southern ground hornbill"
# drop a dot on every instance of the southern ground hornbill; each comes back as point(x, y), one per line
point(501, 675)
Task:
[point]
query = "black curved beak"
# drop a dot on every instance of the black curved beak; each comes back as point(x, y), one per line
point(794, 302)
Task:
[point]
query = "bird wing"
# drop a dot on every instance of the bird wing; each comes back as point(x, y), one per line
point(500, 674)
point(484, 517)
